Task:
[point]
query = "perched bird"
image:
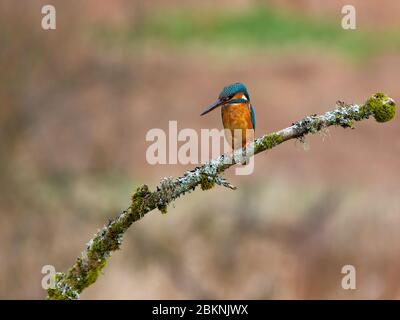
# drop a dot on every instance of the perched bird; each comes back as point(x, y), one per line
point(238, 115)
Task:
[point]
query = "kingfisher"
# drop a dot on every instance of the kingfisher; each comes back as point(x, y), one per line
point(238, 117)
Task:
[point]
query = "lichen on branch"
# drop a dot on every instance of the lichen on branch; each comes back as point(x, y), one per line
point(93, 259)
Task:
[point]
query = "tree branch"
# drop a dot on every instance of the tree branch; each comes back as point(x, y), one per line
point(93, 259)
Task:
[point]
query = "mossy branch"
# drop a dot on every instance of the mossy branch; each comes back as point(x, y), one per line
point(93, 259)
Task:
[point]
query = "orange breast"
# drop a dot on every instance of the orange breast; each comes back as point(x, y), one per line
point(237, 119)
point(236, 116)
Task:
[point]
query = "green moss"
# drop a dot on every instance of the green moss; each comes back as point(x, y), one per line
point(61, 291)
point(344, 122)
point(54, 294)
point(97, 247)
point(206, 182)
point(162, 208)
point(81, 276)
point(381, 107)
point(138, 206)
point(268, 142)
point(89, 277)
point(347, 124)
point(137, 197)
point(316, 125)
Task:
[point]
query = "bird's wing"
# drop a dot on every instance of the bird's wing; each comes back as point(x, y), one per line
point(253, 117)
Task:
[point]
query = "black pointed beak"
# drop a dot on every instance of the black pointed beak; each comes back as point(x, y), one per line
point(215, 105)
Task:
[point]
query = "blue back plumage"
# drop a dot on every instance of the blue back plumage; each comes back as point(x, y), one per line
point(253, 116)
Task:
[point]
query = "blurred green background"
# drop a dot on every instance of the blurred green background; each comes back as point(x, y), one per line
point(77, 102)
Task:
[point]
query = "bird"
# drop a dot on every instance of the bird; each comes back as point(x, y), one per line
point(238, 116)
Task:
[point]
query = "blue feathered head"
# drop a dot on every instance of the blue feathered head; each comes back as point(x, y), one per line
point(233, 89)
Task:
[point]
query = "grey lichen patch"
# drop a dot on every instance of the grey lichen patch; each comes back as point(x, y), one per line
point(165, 194)
point(344, 116)
point(381, 106)
point(315, 125)
point(310, 124)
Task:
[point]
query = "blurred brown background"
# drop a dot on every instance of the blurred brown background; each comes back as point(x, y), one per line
point(76, 103)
